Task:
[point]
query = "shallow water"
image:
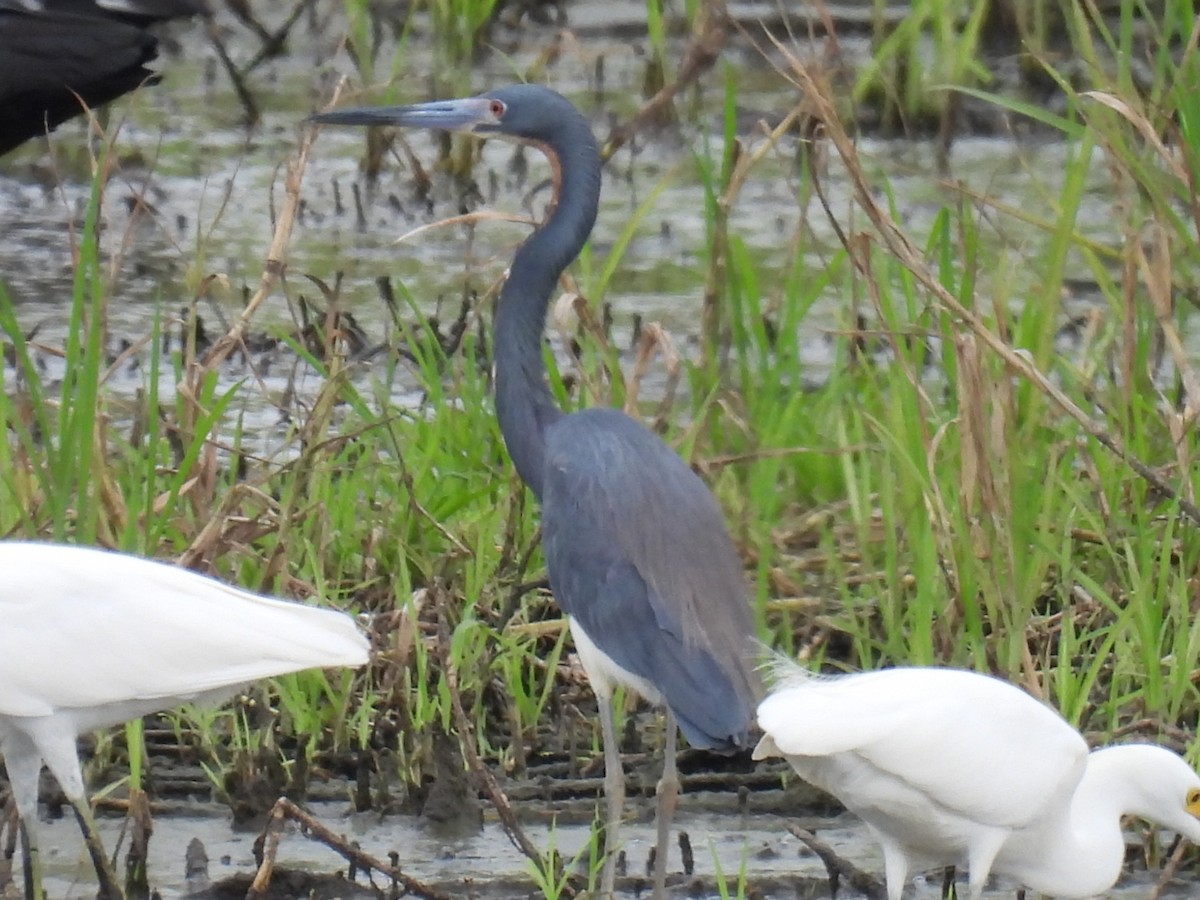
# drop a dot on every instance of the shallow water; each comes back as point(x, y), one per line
point(212, 187)
point(488, 865)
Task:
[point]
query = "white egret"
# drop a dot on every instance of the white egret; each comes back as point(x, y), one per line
point(950, 767)
point(90, 639)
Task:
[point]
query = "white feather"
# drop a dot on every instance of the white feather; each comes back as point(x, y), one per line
point(85, 629)
point(927, 728)
point(952, 767)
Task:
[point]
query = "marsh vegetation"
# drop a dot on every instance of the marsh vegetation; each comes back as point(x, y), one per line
point(913, 294)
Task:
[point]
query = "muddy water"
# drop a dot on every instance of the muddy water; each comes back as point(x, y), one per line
point(210, 187)
point(488, 865)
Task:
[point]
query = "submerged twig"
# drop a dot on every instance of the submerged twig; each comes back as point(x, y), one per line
point(245, 98)
point(837, 867)
point(285, 809)
point(1169, 870)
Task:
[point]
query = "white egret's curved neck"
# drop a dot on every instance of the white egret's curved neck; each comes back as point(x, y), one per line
point(1079, 848)
point(524, 404)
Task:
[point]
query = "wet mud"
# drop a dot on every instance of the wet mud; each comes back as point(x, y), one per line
point(732, 837)
point(726, 847)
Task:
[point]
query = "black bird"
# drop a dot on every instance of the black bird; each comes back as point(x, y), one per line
point(637, 549)
point(58, 56)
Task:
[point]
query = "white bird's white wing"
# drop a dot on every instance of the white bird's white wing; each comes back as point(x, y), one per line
point(81, 628)
point(977, 746)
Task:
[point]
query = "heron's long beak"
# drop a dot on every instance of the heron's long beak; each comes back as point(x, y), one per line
point(447, 115)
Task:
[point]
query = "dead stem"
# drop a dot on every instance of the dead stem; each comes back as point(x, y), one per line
point(712, 30)
point(838, 868)
point(1169, 870)
point(285, 809)
point(898, 244)
point(276, 263)
point(654, 341)
point(466, 735)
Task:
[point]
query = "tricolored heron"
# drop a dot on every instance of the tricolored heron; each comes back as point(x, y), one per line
point(57, 55)
point(90, 639)
point(637, 549)
point(951, 767)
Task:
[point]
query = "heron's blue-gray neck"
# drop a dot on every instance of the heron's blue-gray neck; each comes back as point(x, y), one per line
point(524, 404)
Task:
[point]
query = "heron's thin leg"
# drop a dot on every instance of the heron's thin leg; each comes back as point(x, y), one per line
point(980, 858)
point(614, 795)
point(110, 887)
point(668, 796)
point(31, 864)
point(895, 866)
point(24, 765)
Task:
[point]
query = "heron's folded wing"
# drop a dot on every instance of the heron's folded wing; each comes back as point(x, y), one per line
point(639, 554)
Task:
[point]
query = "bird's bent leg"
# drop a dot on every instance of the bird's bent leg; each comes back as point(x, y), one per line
point(895, 867)
point(614, 794)
point(668, 796)
point(24, 765)
point(110, 887)
point(980, 859)
point(57, 740)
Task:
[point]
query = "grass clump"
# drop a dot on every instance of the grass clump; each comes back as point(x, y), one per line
point(1012, 507)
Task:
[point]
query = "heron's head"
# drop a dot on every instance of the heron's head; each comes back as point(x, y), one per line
point(526, 112)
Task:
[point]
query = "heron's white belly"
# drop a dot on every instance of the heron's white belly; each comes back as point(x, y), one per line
point(603, 673)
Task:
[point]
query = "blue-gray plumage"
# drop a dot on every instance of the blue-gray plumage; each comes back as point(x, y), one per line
point(619, 504)
point(637, 550)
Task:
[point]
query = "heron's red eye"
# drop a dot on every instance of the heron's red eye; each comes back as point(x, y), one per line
point(498, 108)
